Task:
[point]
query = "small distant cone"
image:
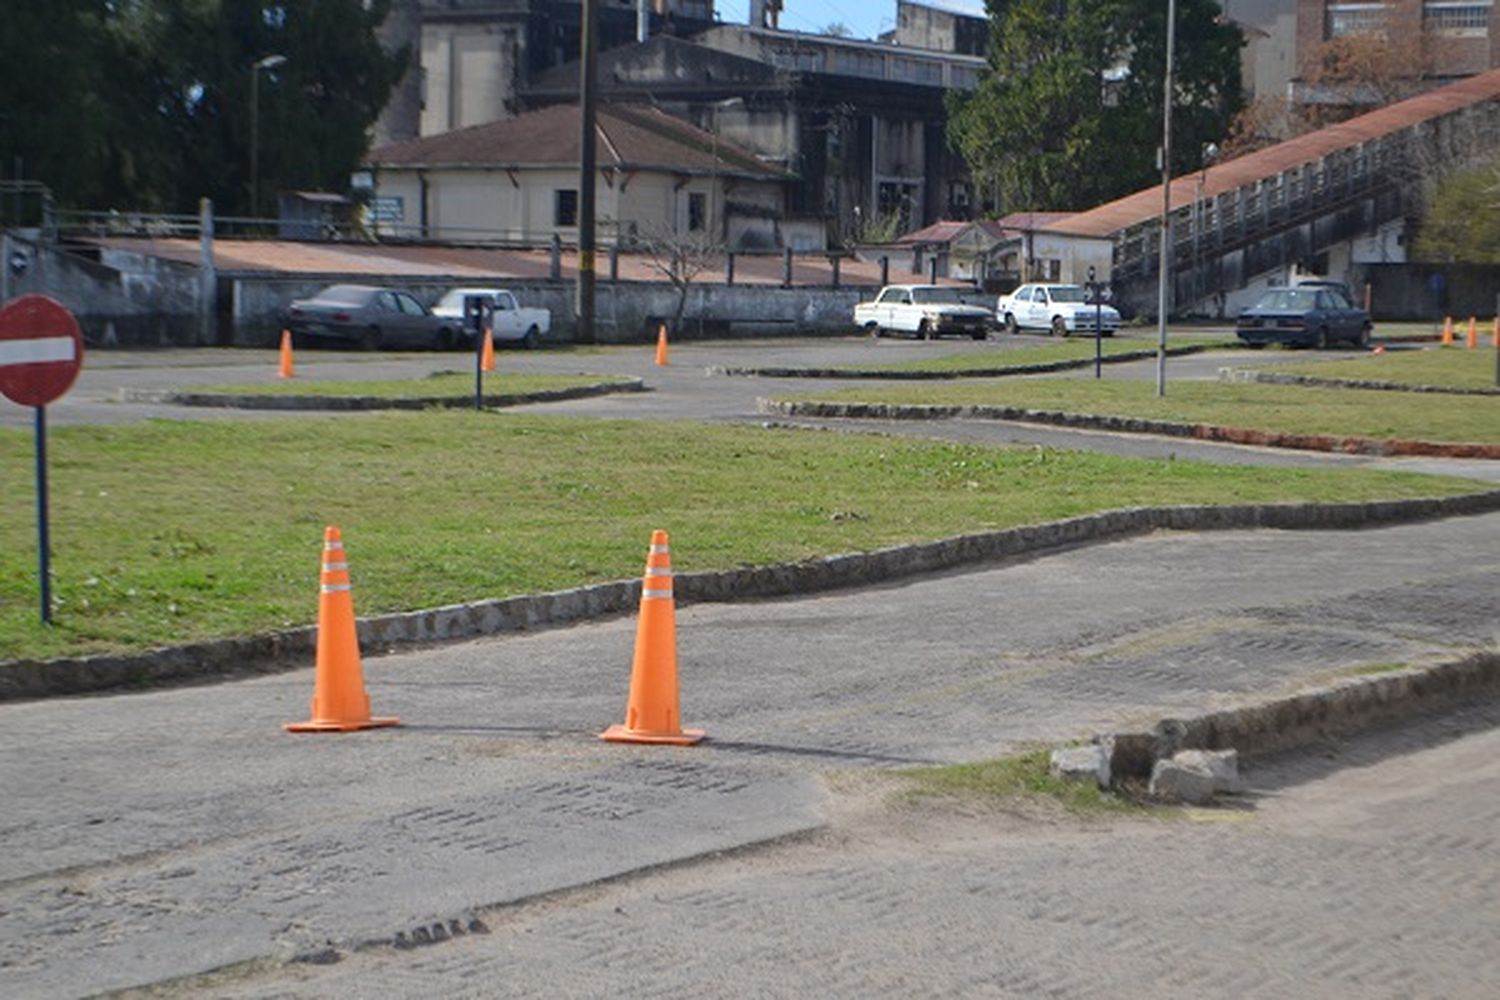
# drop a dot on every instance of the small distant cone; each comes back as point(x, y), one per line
point(487, 356)
point(1447, 331)
point(1472, 340)
point(1379, 349)
point(339, 702)
point(287, 370)
point(651, 714)
point(661, 345)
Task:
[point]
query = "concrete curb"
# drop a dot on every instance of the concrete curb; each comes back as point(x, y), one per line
point(900, 375)
point(294, 648)
point(1282, 378)
point(1339, 709)
point(246, 401)
point(1131, 425)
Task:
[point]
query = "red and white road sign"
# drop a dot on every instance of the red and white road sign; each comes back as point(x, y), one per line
point(41, 350)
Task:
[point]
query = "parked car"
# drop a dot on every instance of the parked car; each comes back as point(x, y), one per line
point(510, 320)
point(1306, 315)
point(925, 311)
point(370, 317)
point(1058, 309)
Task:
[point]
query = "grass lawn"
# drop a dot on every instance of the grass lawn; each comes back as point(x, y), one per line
point(1455, 367)
point(1072, 349)
point(170, 531)
point(1292, 409)
point(1025, 776)
point(455, 384)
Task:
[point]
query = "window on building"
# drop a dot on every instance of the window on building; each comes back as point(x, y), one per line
point(565, 207)
point(697, 211)
point(1448, 16)
point(1356, 19)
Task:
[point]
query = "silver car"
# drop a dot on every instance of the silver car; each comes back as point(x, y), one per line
point(370, 317)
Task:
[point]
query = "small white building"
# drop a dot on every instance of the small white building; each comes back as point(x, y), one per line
point(516, 181)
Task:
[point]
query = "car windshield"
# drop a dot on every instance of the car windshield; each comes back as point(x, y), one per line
point(1288, 298)
point(344, 295)
point(928, 296)
point(1067, 293)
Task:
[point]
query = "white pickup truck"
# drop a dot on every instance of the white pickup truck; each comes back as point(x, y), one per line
point(511, 321)
point(925, 311)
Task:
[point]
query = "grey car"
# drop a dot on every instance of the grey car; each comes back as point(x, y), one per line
point(371, 318)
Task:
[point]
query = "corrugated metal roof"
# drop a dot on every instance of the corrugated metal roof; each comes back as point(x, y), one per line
point(1108, 219)
point(628, 136)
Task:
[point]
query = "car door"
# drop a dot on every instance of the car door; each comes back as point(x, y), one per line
point(507, 319)
point(417, 326)
point(1040, 313)
point(1020, 305)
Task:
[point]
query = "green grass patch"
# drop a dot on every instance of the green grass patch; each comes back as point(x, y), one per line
point(1289, 409)
point(1072, 349)
point(1025, 776)
point(169, 531)
point(1452, 367)
point(438, 384)
point(1376, 669)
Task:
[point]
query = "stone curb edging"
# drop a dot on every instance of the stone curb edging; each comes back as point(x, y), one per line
point(1283, 378)
point(290, 649)
point(1339, 709)
point(1131, 425)
point(1038, 368)
point(246, 401)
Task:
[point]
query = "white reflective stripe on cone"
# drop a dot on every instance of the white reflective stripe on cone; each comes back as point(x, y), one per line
point(656, 593)
point(333, 588)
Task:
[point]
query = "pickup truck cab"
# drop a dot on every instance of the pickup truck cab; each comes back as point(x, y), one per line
point(1058, 309)
point(511, 321)
point(924, 311)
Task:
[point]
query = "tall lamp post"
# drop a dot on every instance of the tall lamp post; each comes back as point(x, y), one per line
point(269, 62)
point(1166, 206)
point(1200, 217)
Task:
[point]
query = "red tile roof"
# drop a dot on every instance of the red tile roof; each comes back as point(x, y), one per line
point(629, 136)
point(1142, 206)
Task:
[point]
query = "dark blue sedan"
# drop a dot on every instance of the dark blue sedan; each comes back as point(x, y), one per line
point(1313, 316)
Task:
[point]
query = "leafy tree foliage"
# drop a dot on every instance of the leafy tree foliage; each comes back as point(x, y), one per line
point(1067, 114)
point(147, 103)
point(1462, 223)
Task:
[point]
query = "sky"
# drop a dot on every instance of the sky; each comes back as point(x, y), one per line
point(865, 18)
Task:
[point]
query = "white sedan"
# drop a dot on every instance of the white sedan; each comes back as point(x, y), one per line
point(1058, 309)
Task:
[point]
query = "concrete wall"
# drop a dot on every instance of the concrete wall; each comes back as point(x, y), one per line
point(124, 299)
point(1411, 291)
point(627, 311)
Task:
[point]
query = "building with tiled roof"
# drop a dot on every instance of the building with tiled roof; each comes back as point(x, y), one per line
point(516, 181)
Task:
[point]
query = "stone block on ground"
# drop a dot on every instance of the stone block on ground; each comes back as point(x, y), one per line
point(1174, 781)
point(1224, 765)
point(1090, 763)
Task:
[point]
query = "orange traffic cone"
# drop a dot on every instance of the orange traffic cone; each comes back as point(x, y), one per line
point(1472, 340)
point(1379, 349)
point(1447, 331)
point(651, 713)
point(487, 356)
point(286, 355)
point(339, 702)
point(661, 345)
point(1495, 340)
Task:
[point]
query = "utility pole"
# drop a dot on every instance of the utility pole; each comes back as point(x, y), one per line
point(1166, 206)
point(586, 170)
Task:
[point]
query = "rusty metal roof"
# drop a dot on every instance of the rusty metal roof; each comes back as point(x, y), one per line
point(629, 136)
point(1108, 219)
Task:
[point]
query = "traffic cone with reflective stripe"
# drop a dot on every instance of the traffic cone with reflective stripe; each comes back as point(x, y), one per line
point(487, 356)
point(1495, 339)
point(651, 714)
point(1447, 331)
point(339, 702)
point(1472, 340)
point(661, 344)
point(286, 355)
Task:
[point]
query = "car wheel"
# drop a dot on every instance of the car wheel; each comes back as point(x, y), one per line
point(1011, 326)
point(1059, 327)
point(370, 339)
point(1321, 340)
point(924, 332)
point(1363, 341)
point(873, 329)
point(979, 335)
point(532, 338)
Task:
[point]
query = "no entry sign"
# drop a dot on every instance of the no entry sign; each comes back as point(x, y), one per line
point(41, 350)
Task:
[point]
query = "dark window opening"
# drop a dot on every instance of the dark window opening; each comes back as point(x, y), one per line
point(565, 207)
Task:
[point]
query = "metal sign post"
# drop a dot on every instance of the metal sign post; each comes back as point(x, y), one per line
point(479, 313)
point(41, 351)
point(1097, 295)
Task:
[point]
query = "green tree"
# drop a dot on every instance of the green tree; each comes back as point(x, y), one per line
point(1067, 114)
point(1462, 223)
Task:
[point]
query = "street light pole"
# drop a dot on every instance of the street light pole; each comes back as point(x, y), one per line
point(269, 62)
point(1166, 206)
